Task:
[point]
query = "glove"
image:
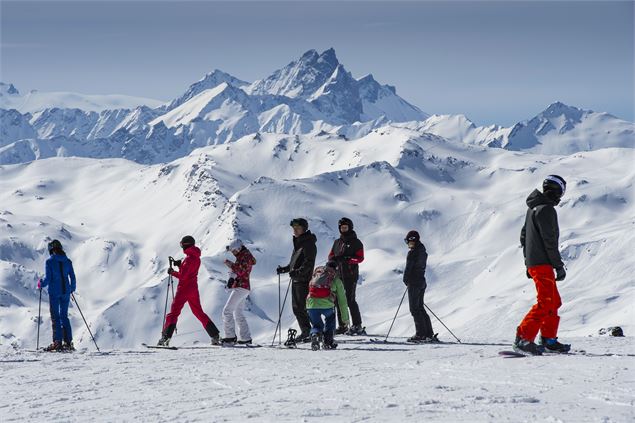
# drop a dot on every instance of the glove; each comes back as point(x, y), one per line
point(177, 263)
point(294, 273)
point(281, 269)
point(560, 274)
point(170, 271)
point(528, 275)
point(39, 284)
point(230, 283)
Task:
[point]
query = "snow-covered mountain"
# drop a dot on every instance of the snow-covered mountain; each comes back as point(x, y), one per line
point(35, 101)
point(314, 94)
point(120, 220)
point(559, 129)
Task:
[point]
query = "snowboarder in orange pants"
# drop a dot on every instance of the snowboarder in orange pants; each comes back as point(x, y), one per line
point(539, 239)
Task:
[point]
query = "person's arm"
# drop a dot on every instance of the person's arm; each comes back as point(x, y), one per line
point(547, 222)
point(523, 233)
point(306, 268)
point(340, 293)
point(71, 273)
point(358, 256)
point(185, 269)
point(422, 260)
point(47, 276)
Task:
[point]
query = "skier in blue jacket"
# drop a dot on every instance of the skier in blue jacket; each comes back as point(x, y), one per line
point(61, 282)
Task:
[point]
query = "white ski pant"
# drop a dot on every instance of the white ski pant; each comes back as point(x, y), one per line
point(233, 315)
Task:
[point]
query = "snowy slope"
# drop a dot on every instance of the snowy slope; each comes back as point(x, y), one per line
point(120, 220)
point(358, 382)
point(35, 101)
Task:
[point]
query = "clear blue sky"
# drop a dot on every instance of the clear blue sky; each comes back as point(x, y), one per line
point(496, 62)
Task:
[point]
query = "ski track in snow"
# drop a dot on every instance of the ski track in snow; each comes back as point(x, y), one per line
point(357, 382)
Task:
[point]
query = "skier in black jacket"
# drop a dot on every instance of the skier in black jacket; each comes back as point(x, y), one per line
point(300, 269)
point(539, 239)
point(414, 277)
point(348, 252)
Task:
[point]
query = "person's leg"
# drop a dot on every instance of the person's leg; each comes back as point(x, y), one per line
point(415, 301)
point(329, 329)
point(66, 323)
point(351, 288)
point(299, 294)
point(426, 324)
point(315, 316)
point(194, 300)
point(56, 323)
point(175, 310)
point(544, 280)
point(549, 327)
point(340, 322)
point(229, 325)
point(239, 313)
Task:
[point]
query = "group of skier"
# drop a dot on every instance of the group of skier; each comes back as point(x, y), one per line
point(325, 294)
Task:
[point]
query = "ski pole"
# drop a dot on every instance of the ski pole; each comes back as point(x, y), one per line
point(442, 323)
point(84, 319)
point(395, 318)
point(279, 314)
point(167, 294)
point(279, 325)
point(39, 313)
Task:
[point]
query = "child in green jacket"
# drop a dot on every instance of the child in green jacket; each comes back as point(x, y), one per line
point(324, 287)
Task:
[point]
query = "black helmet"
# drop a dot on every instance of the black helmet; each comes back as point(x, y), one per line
point(187, 241)
point(555, 185)
point(332, 264)
point(412, 236)
point(345, 221)
point(298, 221)
point(55, 247)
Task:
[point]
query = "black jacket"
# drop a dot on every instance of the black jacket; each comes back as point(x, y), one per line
point(540, 233)
point(348, 251)
point(303, 258)
point(415, 272)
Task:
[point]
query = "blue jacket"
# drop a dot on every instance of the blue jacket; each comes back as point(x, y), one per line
point(60, 277)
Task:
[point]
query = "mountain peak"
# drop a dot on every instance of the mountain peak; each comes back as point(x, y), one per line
point(558, 108)
point(8, 89)
point(329, 56)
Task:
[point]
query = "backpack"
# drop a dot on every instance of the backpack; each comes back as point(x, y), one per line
point(321, 283)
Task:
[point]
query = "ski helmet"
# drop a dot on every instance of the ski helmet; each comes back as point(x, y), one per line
point(55, 246)
point(345, 221)
point(299, 221)
point(236, 244)
point(187, 241)
point(412, 236)
point(554, 184)
point(332, 264)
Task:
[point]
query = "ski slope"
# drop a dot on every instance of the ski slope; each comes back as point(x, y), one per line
point(357, 382)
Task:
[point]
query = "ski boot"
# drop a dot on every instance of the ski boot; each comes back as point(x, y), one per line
point(228, 341)
point(551, 345)
point(55, 346)
point(316, 338)
point(416, 339)
point(328, 343)
point(431, 339)
point(244, 342)
point(523, 346)
point(304, 337)
point(341, 330)
point(215, 340)
point(356, 330)
point(166, 336)
point(290, 342)
point(68, 346)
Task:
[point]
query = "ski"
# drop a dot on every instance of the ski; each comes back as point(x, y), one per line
point(160, 347)
point(511, 354)
point(207, 347)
